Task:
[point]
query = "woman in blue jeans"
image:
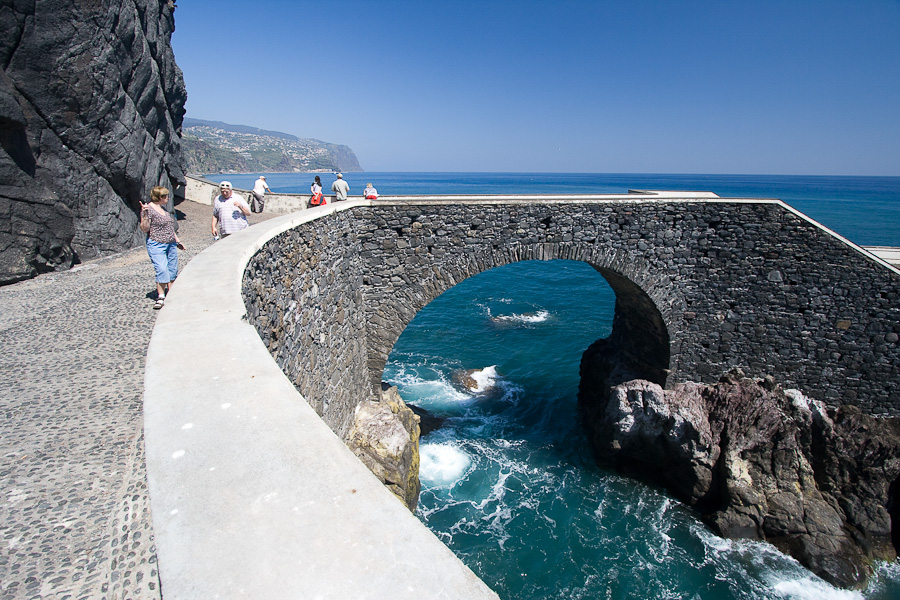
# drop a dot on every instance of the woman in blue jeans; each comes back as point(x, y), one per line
point(162, 243)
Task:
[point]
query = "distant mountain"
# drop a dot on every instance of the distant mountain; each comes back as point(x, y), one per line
point(217, 147)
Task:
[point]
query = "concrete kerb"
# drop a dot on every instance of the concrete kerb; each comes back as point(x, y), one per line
point(252, 494)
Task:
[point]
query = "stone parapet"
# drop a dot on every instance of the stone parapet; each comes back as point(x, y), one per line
point(253, 496)
point(703, 285)
point(243, 470)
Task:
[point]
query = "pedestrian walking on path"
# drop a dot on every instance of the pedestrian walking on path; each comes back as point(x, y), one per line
point(230, 212)
point(162, 242)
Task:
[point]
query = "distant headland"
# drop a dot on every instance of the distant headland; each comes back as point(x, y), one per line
point(217, 147)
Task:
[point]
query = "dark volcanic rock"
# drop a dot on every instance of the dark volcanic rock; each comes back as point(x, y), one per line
point(91, 105)
point(428, 422)
point(761, 463)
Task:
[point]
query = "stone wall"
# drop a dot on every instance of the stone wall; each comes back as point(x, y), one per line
point(304, 295)
point(91, 104)
point(702, 287)
point(730, 284)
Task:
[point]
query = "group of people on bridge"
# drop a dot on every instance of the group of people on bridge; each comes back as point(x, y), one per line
point(230, 212)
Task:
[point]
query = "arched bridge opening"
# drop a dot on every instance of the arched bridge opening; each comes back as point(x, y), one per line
point(638, 346)
point(414, 258)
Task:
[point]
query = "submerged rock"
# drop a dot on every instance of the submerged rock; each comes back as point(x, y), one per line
point(476, 381)
point(385, 437)
point(761, 463)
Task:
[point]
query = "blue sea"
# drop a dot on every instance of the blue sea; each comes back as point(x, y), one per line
point(508, 482)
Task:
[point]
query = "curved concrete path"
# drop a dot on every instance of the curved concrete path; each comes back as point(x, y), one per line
point(252, 495)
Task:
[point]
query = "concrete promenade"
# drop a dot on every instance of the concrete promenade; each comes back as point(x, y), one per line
point(74, 510)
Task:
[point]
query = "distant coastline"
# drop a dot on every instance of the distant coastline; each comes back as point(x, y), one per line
point(266, 172)
point(217, 147)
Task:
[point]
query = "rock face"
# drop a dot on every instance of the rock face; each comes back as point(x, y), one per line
point(761, 463)
point(385, 437)
point(91, 105)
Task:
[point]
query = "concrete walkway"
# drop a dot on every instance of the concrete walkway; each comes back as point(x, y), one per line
point(74, 510)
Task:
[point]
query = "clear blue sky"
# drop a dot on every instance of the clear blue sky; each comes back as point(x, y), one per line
point(666, 86)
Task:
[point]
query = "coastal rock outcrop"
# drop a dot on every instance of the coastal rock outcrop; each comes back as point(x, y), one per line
point(91, 105)
point(481, 382)
point(385, 437)
point(759, 462)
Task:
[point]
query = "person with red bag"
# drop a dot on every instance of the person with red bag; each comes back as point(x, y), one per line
point(370, 193)
point(316, 199)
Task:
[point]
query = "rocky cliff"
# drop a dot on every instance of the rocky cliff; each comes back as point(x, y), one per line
point(91, 105)
point(759, 462)
point(385, 437)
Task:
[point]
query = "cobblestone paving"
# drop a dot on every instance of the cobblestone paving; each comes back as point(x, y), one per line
point(74, 509)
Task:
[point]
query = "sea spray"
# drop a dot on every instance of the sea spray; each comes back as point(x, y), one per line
point(443, 465)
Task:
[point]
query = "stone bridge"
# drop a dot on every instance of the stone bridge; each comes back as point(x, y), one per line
point(702, 285)
point(251, 491)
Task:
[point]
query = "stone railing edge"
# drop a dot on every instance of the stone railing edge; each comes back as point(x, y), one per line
point(252, 495)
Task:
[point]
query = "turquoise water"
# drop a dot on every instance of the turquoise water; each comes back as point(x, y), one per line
point(508, 482)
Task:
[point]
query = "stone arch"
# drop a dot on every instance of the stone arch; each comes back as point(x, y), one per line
point(648, 307)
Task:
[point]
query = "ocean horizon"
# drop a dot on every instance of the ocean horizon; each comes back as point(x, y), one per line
point(509, 482)
point(865, 209)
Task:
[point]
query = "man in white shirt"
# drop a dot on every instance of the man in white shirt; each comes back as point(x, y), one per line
point(258, 203)
point(340, 188)
point(230, 212)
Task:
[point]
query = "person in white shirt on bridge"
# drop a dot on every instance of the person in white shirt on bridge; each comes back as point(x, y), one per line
point(230, 212)
point(259, 194)
point(370, 193)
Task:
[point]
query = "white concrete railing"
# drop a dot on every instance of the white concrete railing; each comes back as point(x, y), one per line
point(252, 495)
point(886, 253)
point(204, 191)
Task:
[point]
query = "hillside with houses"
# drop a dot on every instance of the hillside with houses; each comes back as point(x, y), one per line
point(217, 147)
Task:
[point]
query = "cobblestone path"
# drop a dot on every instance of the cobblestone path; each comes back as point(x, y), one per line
point(74, 509)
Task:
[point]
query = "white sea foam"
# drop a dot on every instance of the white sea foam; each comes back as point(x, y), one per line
point(485, 379)
point(533, 317)
point(777, 578)
point(430, 391)
point(443, 464)
point(812, 589)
